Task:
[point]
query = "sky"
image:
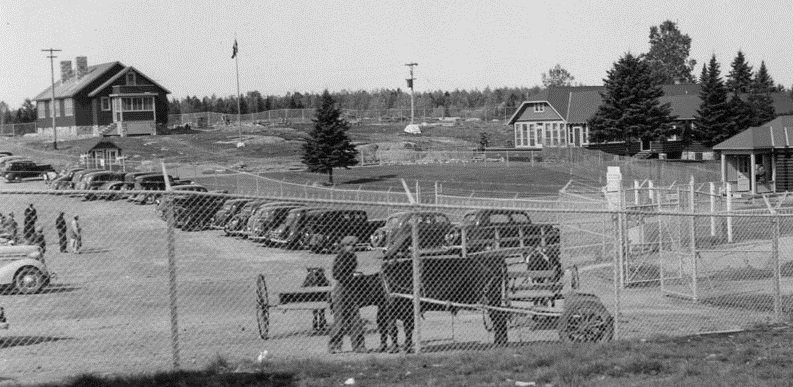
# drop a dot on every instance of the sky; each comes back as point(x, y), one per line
point(308, 45)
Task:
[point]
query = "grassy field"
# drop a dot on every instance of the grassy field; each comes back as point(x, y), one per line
point(758, 357)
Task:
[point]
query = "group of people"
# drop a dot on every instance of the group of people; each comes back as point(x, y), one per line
point(68, 235)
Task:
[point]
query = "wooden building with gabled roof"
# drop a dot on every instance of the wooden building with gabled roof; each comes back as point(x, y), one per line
point(108, 99)
point(759, 159)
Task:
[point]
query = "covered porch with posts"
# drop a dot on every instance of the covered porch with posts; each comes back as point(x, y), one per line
point(759, 159)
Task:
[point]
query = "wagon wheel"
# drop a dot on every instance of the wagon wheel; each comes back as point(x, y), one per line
point(585, 320)
point(262, 307)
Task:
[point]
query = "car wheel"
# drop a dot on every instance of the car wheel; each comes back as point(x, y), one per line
point(29, 280)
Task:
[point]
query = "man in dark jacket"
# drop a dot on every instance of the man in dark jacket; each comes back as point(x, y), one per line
point(60, 225)
point(29, 223)
point(346, 313)
point(37, 239)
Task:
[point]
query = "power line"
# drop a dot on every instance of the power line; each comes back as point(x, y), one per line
point(52, 56)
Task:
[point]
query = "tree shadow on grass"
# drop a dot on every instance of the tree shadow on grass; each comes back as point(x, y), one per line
point(21, 341)
point(367, 180)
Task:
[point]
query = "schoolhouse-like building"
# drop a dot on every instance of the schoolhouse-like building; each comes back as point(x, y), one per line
point(108, 99)
point(558, 116)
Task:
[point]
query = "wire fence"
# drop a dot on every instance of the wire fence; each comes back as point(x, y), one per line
point(355, 116)
point(17, 129)
point(154, 280)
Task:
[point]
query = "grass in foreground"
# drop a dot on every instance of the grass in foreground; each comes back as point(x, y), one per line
point(759, 357)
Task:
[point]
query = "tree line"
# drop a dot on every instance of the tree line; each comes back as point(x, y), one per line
point(381, 99)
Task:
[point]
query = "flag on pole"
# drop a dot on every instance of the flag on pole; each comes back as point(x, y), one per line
point(234, 50)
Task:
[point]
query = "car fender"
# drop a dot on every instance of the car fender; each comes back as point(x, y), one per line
point(9, 268)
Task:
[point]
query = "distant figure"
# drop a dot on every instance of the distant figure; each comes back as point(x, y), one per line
point(759, 173)
point(60, 225)
point(29, 223)
point(76, 235)
point(37, 239)
point(10, 227)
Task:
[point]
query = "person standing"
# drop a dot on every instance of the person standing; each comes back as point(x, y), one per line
point(11, 227)
point(29, 223)
point(76, 235)
point(345, 306)
point(60, 225)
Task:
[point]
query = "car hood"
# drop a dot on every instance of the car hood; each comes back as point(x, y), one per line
point(19, 252)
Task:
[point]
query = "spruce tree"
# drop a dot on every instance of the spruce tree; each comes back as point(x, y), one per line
point(740, 77)
point(630, 110)
point(760, 100)
point(713, 116)
point(328, 145)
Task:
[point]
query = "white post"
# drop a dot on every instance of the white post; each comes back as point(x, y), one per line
point(723, 167)
point(652, 191)
point(693, 240)
point(729, 210)
point(712, 208)
point(752, 180)
point(636, 192)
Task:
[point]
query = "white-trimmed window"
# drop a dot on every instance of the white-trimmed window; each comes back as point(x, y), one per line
point(58, 107)
point(131, 79)
point(41, 108)
point(539, 131)
point(105, 102)
point(548, 134)
point(68, 107)
point(562, 134)
point(137, 104)
point(539, 108)
point(531, 135)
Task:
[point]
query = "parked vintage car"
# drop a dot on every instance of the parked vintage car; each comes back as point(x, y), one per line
point(5, 160)
point(193, 206)
point(256, 215)
point(93, 181)
point(325, 231)
point(396, 236)
point(225, 213)
point(117, 186)
point(150, 182)
point(267, 219)
point(236, 225)
point(17, 170)
point(289, 233)
point(64, 181)
point(22, 269)
point(498, 229)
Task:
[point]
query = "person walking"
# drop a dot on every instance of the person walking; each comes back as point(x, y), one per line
point(29, 222)
point(76, 235)
point(37, 239)
point(60, 225)
point(346, 313)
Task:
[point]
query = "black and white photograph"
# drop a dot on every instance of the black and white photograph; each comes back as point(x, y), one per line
point(396, 193)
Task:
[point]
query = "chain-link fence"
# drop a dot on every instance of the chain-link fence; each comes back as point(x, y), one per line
point(355, 116)
point(144, 280)
point(17, 129)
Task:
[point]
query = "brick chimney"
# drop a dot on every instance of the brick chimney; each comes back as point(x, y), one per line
point(66, 70)
point(82, 65)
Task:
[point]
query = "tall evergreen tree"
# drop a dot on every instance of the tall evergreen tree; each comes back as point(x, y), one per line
point(630, 109)
point(740, 77)
point(712, 121)
point(760, 100)
point(668, 55)
point(328, 145)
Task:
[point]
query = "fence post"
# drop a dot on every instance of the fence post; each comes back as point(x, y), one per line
point(436, 192)
point(171, 248)
point(712, 187)
point(777, 269)
point(729, 210)
point(652, 192)
point(617, 277)
point(693, 241)
point(636, 192)
point(416, 283)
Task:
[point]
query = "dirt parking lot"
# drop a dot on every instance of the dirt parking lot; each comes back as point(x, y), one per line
point(108, 310)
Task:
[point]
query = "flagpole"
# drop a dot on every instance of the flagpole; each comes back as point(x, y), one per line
point(239, 97)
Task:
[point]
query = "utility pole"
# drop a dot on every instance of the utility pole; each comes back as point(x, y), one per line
point(410, 85)
point(52, 110)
